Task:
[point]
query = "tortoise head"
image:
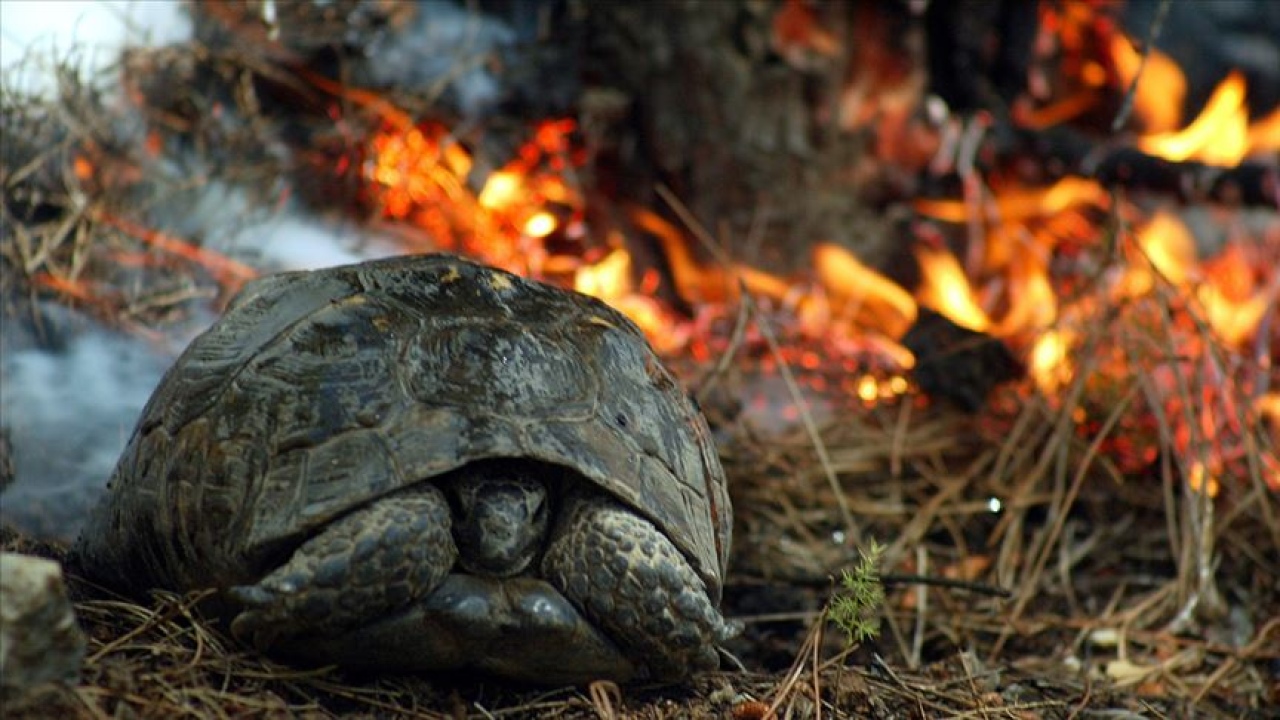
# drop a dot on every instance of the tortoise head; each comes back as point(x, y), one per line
point(500, 516)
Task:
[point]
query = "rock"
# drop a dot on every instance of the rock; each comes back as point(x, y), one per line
point(40, 640)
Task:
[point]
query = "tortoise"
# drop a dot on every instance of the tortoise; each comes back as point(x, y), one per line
point(422, 463)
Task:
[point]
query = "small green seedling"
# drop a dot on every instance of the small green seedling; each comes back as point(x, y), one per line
point(855, 607)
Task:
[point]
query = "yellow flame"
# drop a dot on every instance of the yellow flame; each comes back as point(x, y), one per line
point(1168, 249)
point(861, 294)
point(1050, 364)
point(945, 288)
point(1017, 205)
point(1218, 136)
point(1161, 88)
point(502, 189)
point(1233, 321)
point(608, 279)
point(1201, 480)
point(540, 225)
point(868, 389)
point(1033, 305)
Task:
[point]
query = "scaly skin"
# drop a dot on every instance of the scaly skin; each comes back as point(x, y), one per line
point(375, 560)
point(631, 581)
point(501, 515)
point(365, 586)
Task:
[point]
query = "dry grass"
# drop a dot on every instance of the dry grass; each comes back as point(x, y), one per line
point(1095, 579)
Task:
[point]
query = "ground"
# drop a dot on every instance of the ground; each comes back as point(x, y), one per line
point(1088, 630)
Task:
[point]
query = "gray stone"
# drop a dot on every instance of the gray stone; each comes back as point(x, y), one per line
point(40, 640)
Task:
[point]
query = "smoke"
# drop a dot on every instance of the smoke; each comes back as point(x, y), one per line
point(71, 393)
point(447, 47)
point(34, 34)
point(69, 404)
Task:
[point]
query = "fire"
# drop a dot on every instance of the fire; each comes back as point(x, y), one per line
point(422, 174)
point(1020, 204)
point(528, 217)
point(1050, 364)
point(503, 189)
point(1221, 134)
point(1161, 86)
point(945, 288)
point(861, 295)
point(1218, 136)
point(610, 280)
point(1202, 479)
point(1167, 252)
point(540, 225)
point(1230, 303)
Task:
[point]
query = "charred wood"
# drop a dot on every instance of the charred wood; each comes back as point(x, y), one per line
point(1071, 152)
point(958, 364)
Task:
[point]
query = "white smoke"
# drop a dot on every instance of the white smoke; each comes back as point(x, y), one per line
point(447, 48)
point(69, 411)
point(36, 33)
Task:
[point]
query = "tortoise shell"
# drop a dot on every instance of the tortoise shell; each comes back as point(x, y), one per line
point(319, 392)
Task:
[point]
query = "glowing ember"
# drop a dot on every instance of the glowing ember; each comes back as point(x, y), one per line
point(420, 174)
point(503, 189)
point(1201, 480)
point(1050, 366)
point(540, 225)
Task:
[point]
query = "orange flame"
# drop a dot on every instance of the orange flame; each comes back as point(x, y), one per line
point(1264, 135)
point(1217, 136)
point(945, 288)
point(420, 174)
point(1221, 134)
point(1233, 308)
point(862, 295)
point(1033, 304)
point(1019, 205)
point(1167, 251)
point(610, 281)
point(1161, 87)
point(423, 175)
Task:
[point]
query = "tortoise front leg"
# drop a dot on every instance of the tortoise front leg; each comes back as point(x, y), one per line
point(629, 580)
point(370, 562)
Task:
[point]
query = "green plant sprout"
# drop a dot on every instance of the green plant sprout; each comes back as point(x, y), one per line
point(855, 606)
